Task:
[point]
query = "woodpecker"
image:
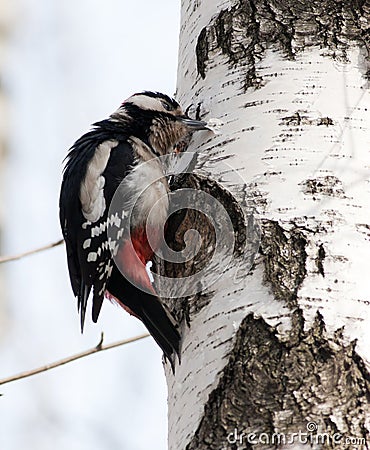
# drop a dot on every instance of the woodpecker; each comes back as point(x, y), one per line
point(147, 125)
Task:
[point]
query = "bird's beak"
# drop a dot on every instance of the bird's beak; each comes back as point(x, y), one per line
point(193, 125)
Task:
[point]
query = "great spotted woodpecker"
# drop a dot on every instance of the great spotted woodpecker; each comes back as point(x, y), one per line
point(147, 125)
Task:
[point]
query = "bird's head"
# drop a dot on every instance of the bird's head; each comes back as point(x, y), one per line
point(158, 120)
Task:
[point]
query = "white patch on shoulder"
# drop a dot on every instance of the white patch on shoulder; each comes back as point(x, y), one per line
point(92, 188)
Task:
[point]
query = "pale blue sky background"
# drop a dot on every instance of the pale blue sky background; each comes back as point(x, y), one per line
point(69, 64)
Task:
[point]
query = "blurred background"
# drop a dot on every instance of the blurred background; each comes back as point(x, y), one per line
point(63, 66)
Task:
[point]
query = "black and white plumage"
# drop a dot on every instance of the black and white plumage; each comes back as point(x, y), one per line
point(146, 125)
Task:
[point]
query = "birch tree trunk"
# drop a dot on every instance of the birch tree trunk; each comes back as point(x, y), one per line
point(281, 346)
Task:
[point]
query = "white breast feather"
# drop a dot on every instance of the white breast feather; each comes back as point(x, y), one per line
point(151, 188)
point(145, 187)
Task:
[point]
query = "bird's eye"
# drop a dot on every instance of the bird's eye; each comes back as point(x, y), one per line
point(167, 106)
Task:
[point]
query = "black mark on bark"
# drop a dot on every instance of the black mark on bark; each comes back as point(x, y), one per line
point(363, 228)
point(202, 52)
point(329, 186)
point(284, 260)
point(299, 118)
point(321, 254)
point(327, 121)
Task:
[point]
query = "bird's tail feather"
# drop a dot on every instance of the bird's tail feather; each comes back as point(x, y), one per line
point(160, 326)
point(149, 309)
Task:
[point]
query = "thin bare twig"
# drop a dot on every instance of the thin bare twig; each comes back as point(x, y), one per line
point(4, 259)
point(98, 348)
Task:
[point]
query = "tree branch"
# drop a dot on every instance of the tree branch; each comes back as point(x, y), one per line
point(98, 348)
point(4, 259)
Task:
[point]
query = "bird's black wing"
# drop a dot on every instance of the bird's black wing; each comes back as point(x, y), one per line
point(88, 251)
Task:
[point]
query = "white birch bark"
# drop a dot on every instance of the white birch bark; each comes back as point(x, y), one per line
point(288, 344)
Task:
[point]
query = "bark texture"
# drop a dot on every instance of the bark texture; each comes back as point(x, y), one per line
point(264, 388)
point(298, 358)
point(244, 30)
